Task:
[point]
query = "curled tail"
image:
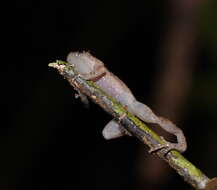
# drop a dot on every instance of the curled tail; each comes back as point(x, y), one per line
point(144, 113)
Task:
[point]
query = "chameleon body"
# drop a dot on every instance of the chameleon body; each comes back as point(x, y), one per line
point(90, 68)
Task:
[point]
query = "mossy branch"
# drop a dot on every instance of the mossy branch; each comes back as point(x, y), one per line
point(137, 128)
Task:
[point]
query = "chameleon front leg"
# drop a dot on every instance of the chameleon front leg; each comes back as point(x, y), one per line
point(145, 113)
point(114, 130)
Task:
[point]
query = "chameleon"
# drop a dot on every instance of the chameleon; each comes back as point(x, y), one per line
point(91, 68)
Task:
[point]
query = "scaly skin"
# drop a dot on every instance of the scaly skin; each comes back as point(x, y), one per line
point(90, 68)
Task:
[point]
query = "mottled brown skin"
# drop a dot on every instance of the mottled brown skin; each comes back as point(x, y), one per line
point(90, 68)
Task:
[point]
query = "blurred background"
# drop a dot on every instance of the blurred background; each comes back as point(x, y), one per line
point(165, 51)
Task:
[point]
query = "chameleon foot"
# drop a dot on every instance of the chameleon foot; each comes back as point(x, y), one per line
point(167, 147)
point(122, 117)
point(158, 146)
point(122, 128)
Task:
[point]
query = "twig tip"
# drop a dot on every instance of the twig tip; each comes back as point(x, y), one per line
point(53, 64)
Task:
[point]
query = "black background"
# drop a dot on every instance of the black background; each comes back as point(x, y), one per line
point(49, 140)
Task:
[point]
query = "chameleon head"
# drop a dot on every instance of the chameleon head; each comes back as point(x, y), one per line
point(84, 63)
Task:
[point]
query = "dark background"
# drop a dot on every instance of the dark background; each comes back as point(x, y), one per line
point(49, 140)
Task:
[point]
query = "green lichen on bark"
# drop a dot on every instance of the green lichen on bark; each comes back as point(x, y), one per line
point(136, 127)
point(186, 169)
point(181, 162)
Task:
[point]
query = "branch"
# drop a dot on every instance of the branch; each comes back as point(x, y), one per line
point(137, 128)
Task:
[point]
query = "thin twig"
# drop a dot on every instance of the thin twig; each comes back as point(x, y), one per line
point(137, 128)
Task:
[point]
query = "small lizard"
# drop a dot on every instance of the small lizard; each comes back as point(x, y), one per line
point(91, 68)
